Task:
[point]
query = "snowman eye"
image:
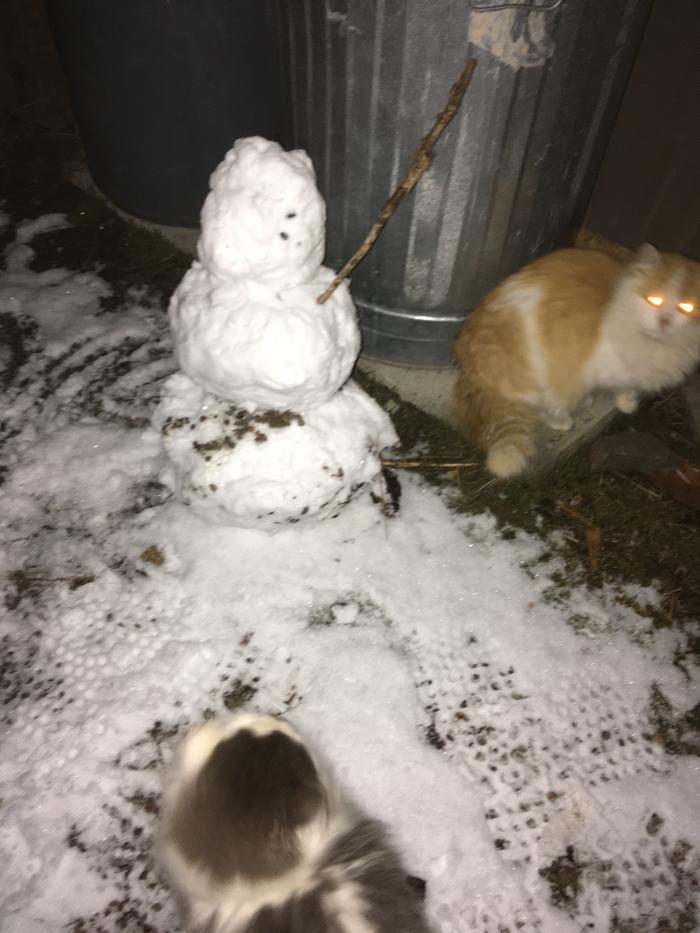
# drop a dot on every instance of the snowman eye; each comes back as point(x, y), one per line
point(687, 307)
point(655, 300)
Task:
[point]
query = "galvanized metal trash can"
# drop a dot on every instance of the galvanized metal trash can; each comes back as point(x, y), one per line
point(512, 173)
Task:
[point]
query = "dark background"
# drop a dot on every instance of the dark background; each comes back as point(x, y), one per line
point(648, 188)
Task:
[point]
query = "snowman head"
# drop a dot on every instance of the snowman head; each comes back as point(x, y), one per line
point(264, 218)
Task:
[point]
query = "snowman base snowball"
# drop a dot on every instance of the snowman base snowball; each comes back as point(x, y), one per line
point(271, 469)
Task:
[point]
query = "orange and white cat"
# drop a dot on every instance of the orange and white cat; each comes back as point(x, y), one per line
point(569, 324)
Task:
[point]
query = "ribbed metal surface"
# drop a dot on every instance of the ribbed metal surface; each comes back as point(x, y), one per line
point(512, 172)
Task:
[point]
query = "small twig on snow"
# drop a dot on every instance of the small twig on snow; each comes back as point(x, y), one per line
point(437, 464)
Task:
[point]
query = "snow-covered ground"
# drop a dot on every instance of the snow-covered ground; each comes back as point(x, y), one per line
point(505, 736)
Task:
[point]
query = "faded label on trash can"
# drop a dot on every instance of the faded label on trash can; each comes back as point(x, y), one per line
point(517, 33)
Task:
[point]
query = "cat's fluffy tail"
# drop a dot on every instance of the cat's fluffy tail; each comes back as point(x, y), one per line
point(503, 428)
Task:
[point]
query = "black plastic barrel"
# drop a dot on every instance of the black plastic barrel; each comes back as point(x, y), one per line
point(162, 88)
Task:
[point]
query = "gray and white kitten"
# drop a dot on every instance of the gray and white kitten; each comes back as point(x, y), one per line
point(254, 839)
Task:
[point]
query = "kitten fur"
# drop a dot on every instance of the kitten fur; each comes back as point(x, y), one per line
point(568, 324)
point(254, 839)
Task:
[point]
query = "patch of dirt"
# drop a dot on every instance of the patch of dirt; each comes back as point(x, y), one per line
point(238, 695)
point(563, 875)
point(153, 555)
point(352, 609)
point(235, 424)
point(21, 679)
point(678, 733)
point(16, 335)
point(124, 858)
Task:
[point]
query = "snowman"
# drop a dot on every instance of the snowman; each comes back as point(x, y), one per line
point(262, 426)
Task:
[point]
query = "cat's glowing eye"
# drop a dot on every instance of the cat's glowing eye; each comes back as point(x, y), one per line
point(655, 300)
point(687, 307)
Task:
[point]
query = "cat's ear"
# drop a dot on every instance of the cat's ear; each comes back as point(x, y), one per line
point(646, 256)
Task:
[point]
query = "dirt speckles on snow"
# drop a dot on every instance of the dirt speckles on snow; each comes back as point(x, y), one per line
point(238, 695)
point(563, 875)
